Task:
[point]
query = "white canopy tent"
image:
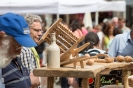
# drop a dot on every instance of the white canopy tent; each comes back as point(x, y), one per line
point(76, 6)
point(29, 6)
point(83, 6)
point(59, 6)
point(111, 5)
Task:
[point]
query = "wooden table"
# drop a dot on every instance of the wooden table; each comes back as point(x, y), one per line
point(85, 73)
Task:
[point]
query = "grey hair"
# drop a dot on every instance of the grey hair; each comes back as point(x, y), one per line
point(30, 18)
point(114, 19)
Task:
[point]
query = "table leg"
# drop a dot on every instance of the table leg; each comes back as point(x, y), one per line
point(81, 64)
point(125, 78)
point(85, 83)
point(97, 81)
point(50, 82)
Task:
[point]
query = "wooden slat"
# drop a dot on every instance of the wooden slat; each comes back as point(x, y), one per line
point(49, 31)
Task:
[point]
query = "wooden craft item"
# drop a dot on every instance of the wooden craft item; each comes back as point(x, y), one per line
point(128, 59)
point(66, 40)
point(87, 55)
point(120, 58)
point(65, 37)
point(106, 60)
point(73, 50)
point(82, 58)
point(102, 55)
point(92, 61)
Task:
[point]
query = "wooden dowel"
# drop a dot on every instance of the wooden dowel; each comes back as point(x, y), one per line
point(50, 82)
point(97, 81)
point(100, 60)
point(125, 78)
point(76, 60)
point(85, 83)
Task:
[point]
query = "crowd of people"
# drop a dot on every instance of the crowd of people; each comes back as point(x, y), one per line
point(20, 54)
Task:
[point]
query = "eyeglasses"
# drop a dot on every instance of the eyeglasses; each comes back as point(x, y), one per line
point(37, 30)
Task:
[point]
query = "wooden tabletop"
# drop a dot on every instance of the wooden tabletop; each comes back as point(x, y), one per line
point(86, 72)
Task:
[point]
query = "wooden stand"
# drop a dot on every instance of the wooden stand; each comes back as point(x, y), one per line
point(68, 44)
point(85, 73)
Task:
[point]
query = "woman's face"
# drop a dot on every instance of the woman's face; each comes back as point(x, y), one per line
point(111, 30)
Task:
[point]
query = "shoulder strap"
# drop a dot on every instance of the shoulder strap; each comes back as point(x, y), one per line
point(36, 56)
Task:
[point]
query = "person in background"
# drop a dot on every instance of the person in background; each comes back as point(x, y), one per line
point(40, 48)
point(114, 22)
point(105, 23)
point(89, 29)
point(122, 45)
point(15, 34)
point(76, 28)
point(94, 29)
point(122, 25)
point(83, 29)
point(29, 56)
point(93, 48)
point(109, 35)
point(100, 35)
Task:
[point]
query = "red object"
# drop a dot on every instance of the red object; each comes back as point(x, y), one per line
point(90, 80)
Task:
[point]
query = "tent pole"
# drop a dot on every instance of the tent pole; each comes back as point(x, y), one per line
point(57, 16)
point(124, 15)
point(67, 18)
point(96, 18)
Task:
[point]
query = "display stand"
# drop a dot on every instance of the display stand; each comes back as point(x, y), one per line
point(68, 44)
point(85, 73)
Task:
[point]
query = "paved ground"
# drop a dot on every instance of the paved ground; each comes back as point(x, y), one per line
point(58, 86)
